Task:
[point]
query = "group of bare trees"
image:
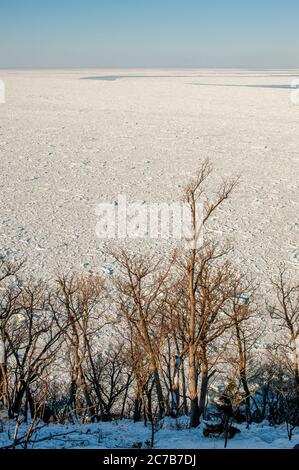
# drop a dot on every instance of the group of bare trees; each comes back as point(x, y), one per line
point(153, 339)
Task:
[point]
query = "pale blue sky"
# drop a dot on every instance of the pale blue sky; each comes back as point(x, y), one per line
point(149, 33)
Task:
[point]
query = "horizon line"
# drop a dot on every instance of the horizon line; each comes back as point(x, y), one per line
point(148, 67)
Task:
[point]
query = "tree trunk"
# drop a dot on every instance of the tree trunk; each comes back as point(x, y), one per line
point(204, 381)
point(100, 405)
point(160, 396)
point(16, 408)
point(137, 409)
point(184, 390)
point(154, 364)
point(242, 372)
point(194, 411)
point(90, 407)
point(294, 340)
point(149, 408)
point(175, 391)
point(125, 398)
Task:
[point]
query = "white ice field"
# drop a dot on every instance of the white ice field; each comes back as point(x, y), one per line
point(69, 141)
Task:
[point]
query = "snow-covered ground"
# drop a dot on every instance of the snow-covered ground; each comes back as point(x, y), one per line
point(67, 144)
point(172, 435)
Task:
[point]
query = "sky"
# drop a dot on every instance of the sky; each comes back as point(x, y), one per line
point(149, 33)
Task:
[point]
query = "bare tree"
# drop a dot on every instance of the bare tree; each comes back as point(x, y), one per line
point(246, 332)
point(8, 297)
point(286, 313)
point(140, 298)
point(201, 315)
point(78, 317)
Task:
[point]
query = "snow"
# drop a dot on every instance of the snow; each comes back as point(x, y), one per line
point(67, 144)
point(173, 434)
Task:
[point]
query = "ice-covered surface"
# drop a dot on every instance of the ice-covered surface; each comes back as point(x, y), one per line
point(67, 144)
point(125, 434)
